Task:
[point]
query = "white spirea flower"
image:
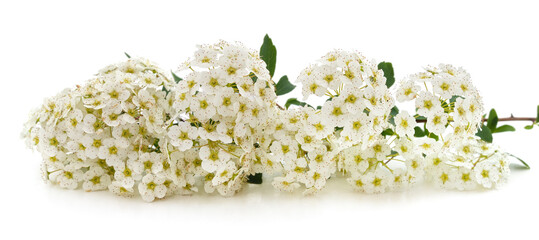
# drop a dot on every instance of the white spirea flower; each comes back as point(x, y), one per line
point(135, 126)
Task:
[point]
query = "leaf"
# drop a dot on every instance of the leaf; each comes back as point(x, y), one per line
point(393, 113)
point(294, 101)
point(528, 127)
point(537, 118)
point(504, 128)
point(387, 67)
point(522, 161)
point(431, 135)
point(419, 117)
point(492, 120)
point(454, 98)
point(388, 132)
point(176, 78)
point(255, 178)
point(418, 132)
point(485, 134)
point(268, 53)
point(284, 86)
point(127, 55)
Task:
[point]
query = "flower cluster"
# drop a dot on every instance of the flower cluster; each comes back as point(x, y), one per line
point(133, 128)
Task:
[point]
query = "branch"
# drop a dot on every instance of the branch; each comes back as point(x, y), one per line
point(512, 118)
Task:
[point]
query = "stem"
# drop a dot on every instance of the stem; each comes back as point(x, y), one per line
point(499, 119)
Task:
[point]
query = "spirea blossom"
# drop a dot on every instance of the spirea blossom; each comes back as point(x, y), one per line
point(134, 129)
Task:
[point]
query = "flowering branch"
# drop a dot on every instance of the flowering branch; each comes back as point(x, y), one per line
point(135, 129)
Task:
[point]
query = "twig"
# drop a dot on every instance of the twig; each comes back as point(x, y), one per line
point(499, 119)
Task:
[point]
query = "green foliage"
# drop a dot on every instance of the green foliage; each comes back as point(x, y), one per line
point(127, 55)
point(176, 78)
point(454, 98)
point(388, 132)
point(419, 132)
point(387, 67)
point(492, 120)
point(526, 166)
point(393, 113)
point(485, 134)
point(419, 117)
point(504, 128)
point(255, 178)
point(284, 86)
point(294, 101)
point(268, 53)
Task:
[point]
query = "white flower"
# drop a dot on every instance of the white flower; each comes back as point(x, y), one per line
point(224, 173)
point(95, 179)
point(112, 152)
point(445, 177)
point(427, 104)
point(406, 148)
point(375, 181)
point(212, 158)
point(284, 149)
point(353, 99)
point(329, 75)
point(120, 189)
point(307, 141)
point(404, 124)
point(124, 134)
point(379, 150)
point(407, 91)
point(465, 179)
point(428, 145)
point(148, 163)
point(436, 121)
point(315, 178)
point(202, 107)
point(70, 177)
point(152, 187)
point(334, 112)
point(182, 135)
point(319, 157)
point(355, 160)
point(318, 125)
point(224, 102)
point(356, 127)
point(444, 86)
point(112, 115)
point(286, 183)
point(486, 174)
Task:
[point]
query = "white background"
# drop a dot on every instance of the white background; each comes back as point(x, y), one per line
point(50, 45)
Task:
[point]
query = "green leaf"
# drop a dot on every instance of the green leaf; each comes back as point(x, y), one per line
point(294, 101)
point(255, 178)
point(537, 118)
point(528, 127)
point(283, 86)
point(431, 135)
point(419, 117)
point(176, 78)
point(492, 120)
point(504, 128)
point(268, 53)
point(387, 67)
point(393, 113)
point(485, 134)
point(388, 132)
point(418, 132)
point(127, 55)
point(454, 98)
point(522, 161)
